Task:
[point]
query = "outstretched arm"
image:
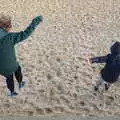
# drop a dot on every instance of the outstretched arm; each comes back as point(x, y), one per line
point(16, 37)
point(101, 59)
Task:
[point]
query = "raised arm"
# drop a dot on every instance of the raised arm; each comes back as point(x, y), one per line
point(101, 59)
point(16, 37)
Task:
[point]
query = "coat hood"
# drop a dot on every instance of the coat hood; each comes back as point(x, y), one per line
point(115, 48)
point(2, 33)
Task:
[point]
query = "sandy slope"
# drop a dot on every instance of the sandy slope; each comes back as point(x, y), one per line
point(58, 79)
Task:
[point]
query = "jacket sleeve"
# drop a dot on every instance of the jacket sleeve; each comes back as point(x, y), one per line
point(17, 37)
point(101, 59)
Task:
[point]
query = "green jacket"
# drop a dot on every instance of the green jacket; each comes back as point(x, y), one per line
point(8, 40)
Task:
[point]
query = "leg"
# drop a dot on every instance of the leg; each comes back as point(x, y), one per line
point(107, 86)
point(18, 75)
point(10, 83)
point(99, 82)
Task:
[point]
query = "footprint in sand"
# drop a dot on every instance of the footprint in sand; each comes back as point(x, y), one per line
point(48, 110)
point(39, 111)
point(109, 100)
point(58, 73)
point(65, 99)
point(58, 59)
point(30, 113)
point(82, 103)
point(75, 77)
point(75, 95)
point(58, 109)
point(77, 67)
point(49, 77)
point(39, 81)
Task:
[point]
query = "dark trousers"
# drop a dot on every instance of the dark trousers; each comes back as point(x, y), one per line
point(10, 81)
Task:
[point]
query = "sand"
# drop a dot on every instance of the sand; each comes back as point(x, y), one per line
point(58, 78)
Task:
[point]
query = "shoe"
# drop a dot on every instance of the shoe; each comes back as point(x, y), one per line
point(21, 85)
point(95, 88)
point(13, 94)
point(107, 86)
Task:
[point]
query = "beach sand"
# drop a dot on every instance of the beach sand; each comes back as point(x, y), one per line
point(58, 78)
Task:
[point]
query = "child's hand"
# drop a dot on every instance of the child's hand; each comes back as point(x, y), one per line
point(37, 20)
point(89, 61)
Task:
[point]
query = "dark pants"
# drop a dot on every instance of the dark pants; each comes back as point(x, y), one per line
point(10, 81)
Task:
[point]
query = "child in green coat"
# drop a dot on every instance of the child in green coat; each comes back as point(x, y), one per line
point(8, 63)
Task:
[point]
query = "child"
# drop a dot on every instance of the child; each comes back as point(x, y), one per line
point(8, 63)
point(111, 71)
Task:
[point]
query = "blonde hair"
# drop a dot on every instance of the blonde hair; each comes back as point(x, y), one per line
point(5, 22)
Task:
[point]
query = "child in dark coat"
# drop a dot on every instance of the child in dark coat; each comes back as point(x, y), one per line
point(8, 63)
point(111, 71)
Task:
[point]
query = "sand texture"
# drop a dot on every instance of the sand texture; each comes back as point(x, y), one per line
point(58, 78)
